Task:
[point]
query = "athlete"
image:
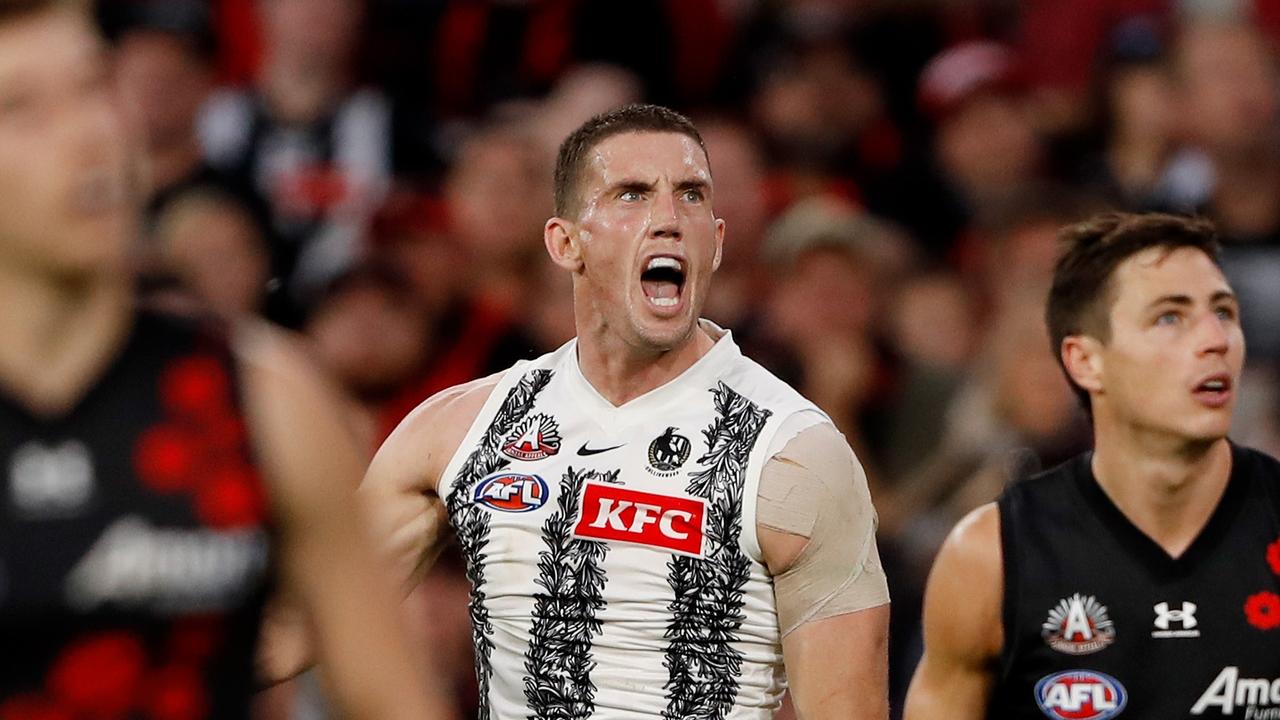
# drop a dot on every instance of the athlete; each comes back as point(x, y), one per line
point(654, 526)
point(157, 479)
point(1140, 579)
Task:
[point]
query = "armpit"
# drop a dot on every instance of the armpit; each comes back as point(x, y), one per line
point(816, 489)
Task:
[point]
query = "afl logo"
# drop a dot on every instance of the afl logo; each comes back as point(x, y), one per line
point(537, 438)
point(1080, 695)
point(1078, 625)
point(511, 492)
point(668, 452)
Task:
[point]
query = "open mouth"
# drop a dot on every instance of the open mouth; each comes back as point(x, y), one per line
point(663, 281)
point(1214, 390)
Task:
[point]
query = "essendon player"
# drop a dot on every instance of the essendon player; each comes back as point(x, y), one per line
point(654, 526)
point(156, 480)
point(1141, 579)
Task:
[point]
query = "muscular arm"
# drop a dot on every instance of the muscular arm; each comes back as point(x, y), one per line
point(962, 621)
point(311, 465)
point(817, 534)
point(399, 490)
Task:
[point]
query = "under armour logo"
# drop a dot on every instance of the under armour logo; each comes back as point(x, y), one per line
point(1165, 618)
point(51, 480)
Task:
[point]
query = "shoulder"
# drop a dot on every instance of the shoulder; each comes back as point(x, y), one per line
point(420, 447)
point(970, 562)
point(1256, 462)
point(964, 596)
point(818, 438)
point(974, 543)
point(1049, 488)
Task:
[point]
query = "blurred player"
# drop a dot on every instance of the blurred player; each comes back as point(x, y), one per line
point(1140, 579)
point(158, 479)
point(654, 526)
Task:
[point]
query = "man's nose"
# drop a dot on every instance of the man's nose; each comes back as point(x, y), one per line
point(664, 221)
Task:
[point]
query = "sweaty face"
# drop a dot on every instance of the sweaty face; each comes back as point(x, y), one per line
point(1172, 363)
point(648, 239)
point(66, 203)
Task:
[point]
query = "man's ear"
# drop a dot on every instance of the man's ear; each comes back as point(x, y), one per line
point(1082, 357)
point(715, 264)
point(561, 239)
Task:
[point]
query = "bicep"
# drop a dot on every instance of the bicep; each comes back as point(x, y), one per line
point(817, 536)
point(405, 515)
point(400, 491)
point(962, 635)
point(838, 667)
point(817, 530)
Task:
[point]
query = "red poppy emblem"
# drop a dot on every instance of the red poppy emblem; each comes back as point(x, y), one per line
point(100, 675)
point(1273, 556)
point(165, 458)
point(195, 387)
point(231, 498)
point(176, 693)
point(1263, 610)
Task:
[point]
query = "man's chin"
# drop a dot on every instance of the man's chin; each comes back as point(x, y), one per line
point(667, 334)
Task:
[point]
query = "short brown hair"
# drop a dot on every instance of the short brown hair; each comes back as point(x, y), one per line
point(629, 118)
point(1081, 297)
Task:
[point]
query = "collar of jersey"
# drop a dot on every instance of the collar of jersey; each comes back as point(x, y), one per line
point(695, 378)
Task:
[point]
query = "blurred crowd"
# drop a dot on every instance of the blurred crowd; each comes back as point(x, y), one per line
point(375, 174)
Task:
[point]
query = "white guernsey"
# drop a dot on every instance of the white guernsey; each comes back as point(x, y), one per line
point(612, 550)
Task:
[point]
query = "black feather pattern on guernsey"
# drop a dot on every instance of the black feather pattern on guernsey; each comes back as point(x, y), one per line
point(471, 525)
point(565, 621)
point(702, 663)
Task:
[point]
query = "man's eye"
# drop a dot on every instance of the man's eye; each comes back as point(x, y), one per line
point(693, 195)
point(1168, 318)
point(629, 196)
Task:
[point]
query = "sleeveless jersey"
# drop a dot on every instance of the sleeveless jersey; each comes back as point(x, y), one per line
point(133, 541)
point(612, 552)
point(1101, 622)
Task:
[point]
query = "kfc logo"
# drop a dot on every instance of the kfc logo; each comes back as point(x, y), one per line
point(674, 523)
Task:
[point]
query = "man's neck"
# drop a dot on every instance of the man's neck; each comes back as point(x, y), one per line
point(621, 372)
point(1168, 487)
point(59, 336)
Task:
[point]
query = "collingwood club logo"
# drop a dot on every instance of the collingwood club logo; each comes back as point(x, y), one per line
point(1078, 625)
point(537, 438)
point(668, 452)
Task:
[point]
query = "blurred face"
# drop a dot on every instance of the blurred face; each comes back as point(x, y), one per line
point(369, 338)
point(325, 29)
point(1228, 87)
point(647, 239)
point(1172, 363)
point(740, 187)
point(988, 146)
point(828, 279)
point(1142, 103)
point(221, 255)
point(66, 205)
point(496, 197)
point(163, 83)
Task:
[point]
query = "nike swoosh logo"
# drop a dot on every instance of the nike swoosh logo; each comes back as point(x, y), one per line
point(584, 450)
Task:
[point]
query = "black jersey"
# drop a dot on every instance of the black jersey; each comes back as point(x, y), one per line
point(134, 550)
point(1100, 622)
